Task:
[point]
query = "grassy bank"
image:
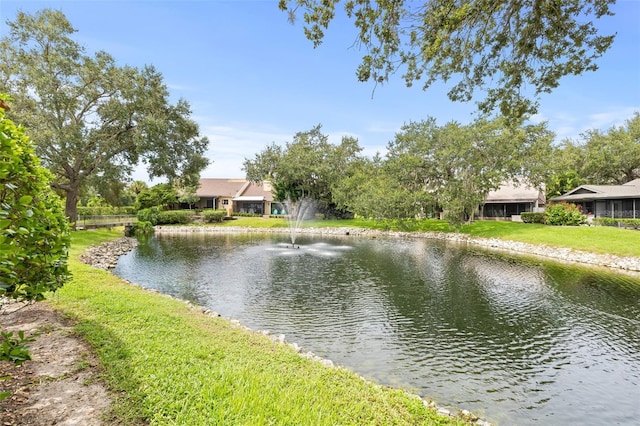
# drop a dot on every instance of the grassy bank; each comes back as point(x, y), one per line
point(168, 363)
point(596, 239)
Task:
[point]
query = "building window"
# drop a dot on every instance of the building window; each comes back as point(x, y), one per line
point(225, 202)
point(251, 207)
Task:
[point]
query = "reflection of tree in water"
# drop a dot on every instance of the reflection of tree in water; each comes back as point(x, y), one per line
point(180, 263)
point(441, 294)
point(606, 304)
point(313, 284)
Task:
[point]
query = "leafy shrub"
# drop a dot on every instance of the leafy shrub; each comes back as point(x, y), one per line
point(240, 214)
point(605, 221)
point(105, 211)
point(630, 223)
point(34, 232)
point(214, 215)
point(14, 349)
point(564, 214)
point(175, 217)
point(150, 215)
point(532, 217)
point(162, 194)
point(140, 228)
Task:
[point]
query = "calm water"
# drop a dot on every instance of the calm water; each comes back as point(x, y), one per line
point(515, 341)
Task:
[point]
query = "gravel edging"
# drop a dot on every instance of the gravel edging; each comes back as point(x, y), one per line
point(105, 256)
point(622, 263)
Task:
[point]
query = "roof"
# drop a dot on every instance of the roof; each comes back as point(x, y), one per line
point(602, 192)
point(214, 187)
point(514, 193)
point(258, 190)
point(234, 188)
point(249, 198)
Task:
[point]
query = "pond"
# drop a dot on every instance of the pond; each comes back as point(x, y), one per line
point(514, 340)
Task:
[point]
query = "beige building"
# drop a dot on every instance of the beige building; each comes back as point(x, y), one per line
point(235, 196)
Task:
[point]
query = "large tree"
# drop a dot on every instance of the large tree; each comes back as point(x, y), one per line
point(454, 166)
point(371, 189)
point(89, 117)
point(613, 157)
point(307, 167)
point(513, 50)
point(610, 157)
point(565, 171)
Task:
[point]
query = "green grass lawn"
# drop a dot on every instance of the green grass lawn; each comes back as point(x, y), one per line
point(596, 239)
point(169, 364)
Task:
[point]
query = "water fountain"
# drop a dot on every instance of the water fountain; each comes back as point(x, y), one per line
point(297, 211)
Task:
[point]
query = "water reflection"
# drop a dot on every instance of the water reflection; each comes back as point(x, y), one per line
point(514, 340)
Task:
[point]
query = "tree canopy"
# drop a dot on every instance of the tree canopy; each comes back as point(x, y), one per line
point(613, 157)
point(610, 157)
point(503, 47)
point(452, 167)
point(162, 195)
point(371, 189)
point(90, 118)
point(307, 167)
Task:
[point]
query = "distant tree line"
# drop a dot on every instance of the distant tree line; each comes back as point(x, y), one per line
point(430, 168)
point(609, 157)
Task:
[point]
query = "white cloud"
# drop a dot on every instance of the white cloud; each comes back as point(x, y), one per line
point(608, 119)
point(335, 138)
point(229, 145)
point(573, 125)
point(383, 128)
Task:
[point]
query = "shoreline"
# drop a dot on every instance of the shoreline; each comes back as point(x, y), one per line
point(121, 246)
point(614, 262)
point(105, 256)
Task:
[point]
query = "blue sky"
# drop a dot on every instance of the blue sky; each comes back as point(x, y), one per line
point(252, 78)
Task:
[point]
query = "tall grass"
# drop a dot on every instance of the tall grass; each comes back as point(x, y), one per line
point(167, 363)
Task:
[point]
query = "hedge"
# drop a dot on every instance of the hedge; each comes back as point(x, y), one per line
point(175, 217)
point(532, 217)
point(214, 215)
point(620, 223)
point(105, 211)
point(239, 214)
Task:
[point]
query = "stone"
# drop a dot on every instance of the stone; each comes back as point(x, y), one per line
point(105, 256)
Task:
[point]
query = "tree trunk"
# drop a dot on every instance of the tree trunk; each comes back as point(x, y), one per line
point(71, 204)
